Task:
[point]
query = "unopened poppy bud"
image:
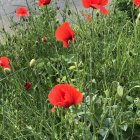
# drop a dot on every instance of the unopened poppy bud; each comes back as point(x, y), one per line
point(120, 90)
point(43, 2)
point(88, 99)
point(7, 70)
point(44, 39)
point(97, 13)
point(57, 20)
point(32, 62)
point(27, 86)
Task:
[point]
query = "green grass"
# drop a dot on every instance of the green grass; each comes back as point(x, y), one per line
point(106, 53)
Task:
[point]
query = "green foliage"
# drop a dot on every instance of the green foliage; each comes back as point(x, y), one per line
point(103, 64)
point(127, 7)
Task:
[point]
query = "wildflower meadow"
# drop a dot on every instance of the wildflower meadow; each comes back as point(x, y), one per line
point(71, 74)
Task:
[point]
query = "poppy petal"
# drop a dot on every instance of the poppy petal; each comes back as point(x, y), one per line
point(86, 3)
point(21, 12)
point(103, 2)
point(4, 62)
point(64, 95)
point(136, 2)
point(64, 33)
point(103, 10)
point(43, 2)
point(65, 44)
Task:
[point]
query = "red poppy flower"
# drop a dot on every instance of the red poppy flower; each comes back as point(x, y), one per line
point(64, 33)
point(137, 3)
point(87, 17)
point(21, 12)
point(43, 2)
point(4, 62)
point(64, 95)
point(96, 4)
point(27, 86)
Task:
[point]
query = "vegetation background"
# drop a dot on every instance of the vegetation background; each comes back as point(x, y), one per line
point(103, 64)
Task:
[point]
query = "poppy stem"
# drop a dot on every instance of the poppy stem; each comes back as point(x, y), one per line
point(13, 73)
point(53, 109)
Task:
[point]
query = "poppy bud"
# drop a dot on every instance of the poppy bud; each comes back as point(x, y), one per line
point(32, 62)
point(88, 99)
point(57, 20)
point(44, 39)
point(7, 70)
point(97, 13)
point(120, 90)
point(27, 86)
point(69, 12)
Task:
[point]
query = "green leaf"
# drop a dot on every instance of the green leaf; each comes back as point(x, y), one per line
point(41, 65)
point(129, 98)
point(72, 67)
